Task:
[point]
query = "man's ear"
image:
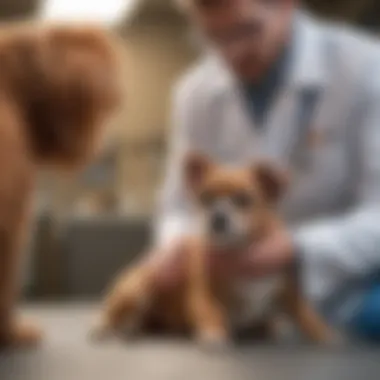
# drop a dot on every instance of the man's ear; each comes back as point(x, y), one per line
point(272, 180)
point(196, 167)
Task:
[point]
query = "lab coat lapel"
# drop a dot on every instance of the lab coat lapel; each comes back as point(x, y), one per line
point(306, 79)
point(236, 136)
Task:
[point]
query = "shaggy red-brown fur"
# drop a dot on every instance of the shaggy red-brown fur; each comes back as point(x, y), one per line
point(58, 87)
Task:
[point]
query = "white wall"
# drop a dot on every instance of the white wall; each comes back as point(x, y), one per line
point(158, 51)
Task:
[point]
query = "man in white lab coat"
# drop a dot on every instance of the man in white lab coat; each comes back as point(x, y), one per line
point(275, 83)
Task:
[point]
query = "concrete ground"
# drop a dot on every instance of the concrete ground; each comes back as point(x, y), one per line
point(67, 354)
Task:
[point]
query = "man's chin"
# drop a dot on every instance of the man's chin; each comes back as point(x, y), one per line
point(250, 75)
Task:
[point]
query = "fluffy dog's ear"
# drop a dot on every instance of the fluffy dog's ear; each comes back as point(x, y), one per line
point(272, 180)
point(196, 167)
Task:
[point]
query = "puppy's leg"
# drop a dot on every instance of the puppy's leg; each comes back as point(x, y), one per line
point(205, 312)
point(310, 323)
point(126, 303)
point(207, 318)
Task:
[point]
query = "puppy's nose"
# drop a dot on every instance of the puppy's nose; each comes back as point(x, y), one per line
point(219, 223)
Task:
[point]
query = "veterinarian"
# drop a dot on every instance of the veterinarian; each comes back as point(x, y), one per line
point(274, 83)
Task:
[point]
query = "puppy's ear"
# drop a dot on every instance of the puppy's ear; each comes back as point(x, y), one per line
point(272, 180)
point(196, 167)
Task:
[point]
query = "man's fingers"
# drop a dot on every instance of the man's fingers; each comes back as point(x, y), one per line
point(269, 257)
point(168, 266)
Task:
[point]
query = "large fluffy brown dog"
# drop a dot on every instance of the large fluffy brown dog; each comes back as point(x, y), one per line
point(58, 87)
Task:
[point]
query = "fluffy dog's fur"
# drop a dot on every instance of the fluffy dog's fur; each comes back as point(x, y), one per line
point(236, 209)
point(59, 85)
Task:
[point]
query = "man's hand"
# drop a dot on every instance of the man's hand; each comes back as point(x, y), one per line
point(269, 256)
point(272, 255)
point(169, 263)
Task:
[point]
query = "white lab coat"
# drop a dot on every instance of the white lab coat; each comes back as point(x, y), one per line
point(332, 204)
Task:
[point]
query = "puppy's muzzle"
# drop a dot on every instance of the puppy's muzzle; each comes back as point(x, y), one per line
point(219, 223)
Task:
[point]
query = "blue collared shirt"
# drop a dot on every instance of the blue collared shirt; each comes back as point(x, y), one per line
point(260, 97)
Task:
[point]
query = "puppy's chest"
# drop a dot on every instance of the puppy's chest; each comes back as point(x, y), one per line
point(252, 301)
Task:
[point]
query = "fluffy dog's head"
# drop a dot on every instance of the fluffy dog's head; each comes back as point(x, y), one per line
point(64, 84)
point(234, 204)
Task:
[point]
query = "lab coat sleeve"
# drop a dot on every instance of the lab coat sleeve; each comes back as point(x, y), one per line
point(174, 215)
point(346, 248)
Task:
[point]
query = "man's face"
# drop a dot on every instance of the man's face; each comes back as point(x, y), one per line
point(249, 34)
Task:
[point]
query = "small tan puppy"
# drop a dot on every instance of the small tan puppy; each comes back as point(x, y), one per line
point(235, 208)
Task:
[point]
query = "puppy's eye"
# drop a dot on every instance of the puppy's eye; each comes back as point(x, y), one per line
point(206, 199)
point(242, 200)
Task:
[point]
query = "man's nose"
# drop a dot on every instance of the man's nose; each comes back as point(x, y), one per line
point(241, 42)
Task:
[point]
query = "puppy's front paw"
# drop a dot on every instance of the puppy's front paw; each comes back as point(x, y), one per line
point(211, 339)
point(99, 332)
point(104, 330)
point(130, 330)
point(335, 339)
point(21, 334)
point(330, 338)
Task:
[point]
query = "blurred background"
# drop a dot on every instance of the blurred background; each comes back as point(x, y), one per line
point(88, 227)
